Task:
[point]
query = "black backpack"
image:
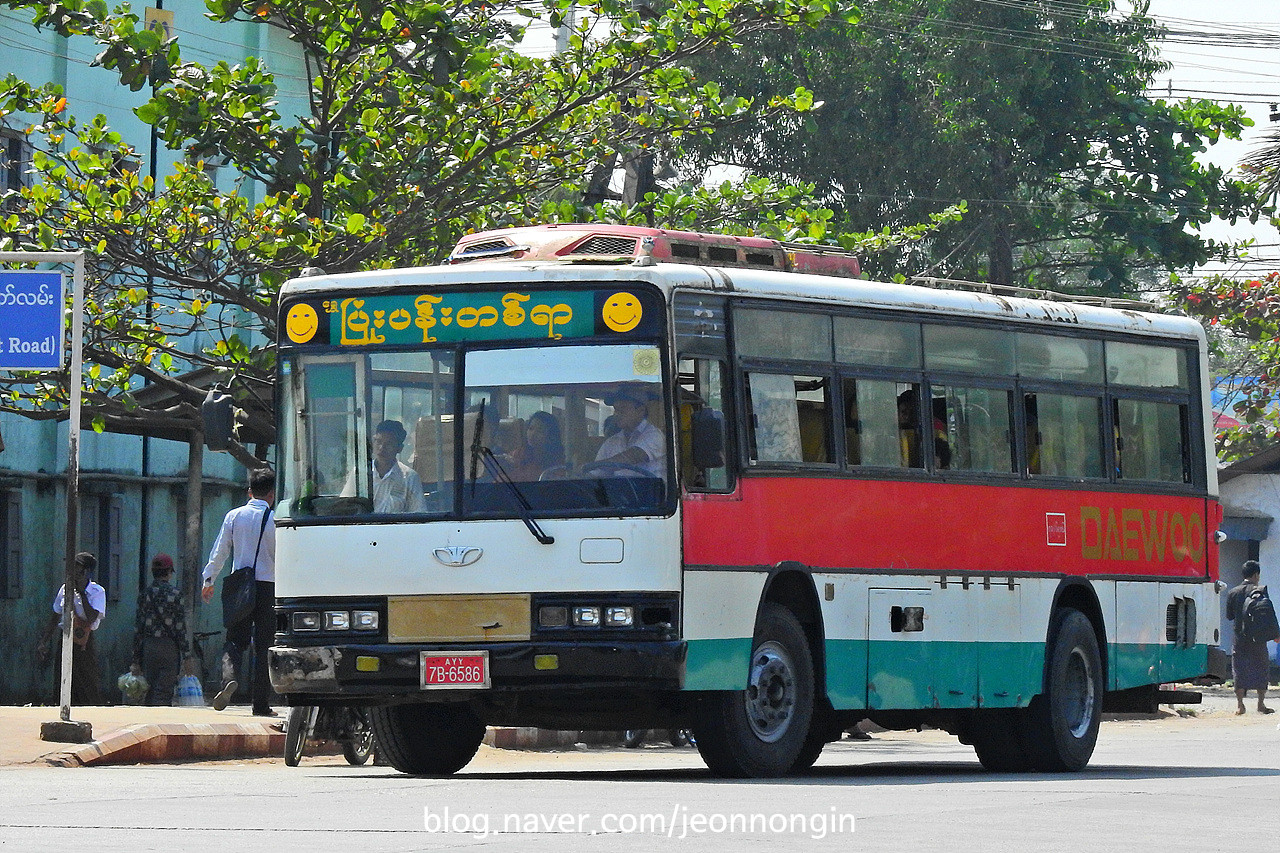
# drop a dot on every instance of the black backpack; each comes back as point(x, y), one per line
point(1258, 617)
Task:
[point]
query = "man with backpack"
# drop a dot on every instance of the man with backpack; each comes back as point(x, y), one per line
point(1254, 618)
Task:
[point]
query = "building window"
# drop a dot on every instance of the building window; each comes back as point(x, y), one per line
point(11, 544)
point(15, 161)
point(101, 534)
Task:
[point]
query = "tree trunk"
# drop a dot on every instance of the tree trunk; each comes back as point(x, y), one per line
point(1000, 251)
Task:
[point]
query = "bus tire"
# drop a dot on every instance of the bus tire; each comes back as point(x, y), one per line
point(1062, 723)
point(823, 729)
point(427, 739)
point(761, 732)
point(999, 741)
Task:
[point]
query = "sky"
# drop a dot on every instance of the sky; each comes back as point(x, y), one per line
point(1227, 50)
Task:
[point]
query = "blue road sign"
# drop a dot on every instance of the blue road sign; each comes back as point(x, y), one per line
point(31, 306)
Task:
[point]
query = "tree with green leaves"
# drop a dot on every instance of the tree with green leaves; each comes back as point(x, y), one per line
point(423, 121)
point(1035, 114)
point(1243, 323)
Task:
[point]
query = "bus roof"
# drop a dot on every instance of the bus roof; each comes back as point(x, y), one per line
point(789, 286)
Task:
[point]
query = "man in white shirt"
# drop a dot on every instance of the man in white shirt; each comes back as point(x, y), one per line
point(637, 443)
point(396, 486)
point(249, 533)
point(90, 601)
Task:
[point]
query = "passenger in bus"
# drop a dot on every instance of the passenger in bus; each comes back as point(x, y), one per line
point(909, 435)
point(396, 486)
point(542, 449)
point(637, 443)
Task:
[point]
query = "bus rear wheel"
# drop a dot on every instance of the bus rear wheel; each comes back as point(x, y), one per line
point(1062, 723)
point(427, 739)
point(763, 731)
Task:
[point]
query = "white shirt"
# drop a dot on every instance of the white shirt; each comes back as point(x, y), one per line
point(645, 436)
point(239, 536)
point(97, 596)
point(400, 490)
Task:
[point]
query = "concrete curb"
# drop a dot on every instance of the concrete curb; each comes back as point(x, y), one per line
point(163, 742)
point(528, 737)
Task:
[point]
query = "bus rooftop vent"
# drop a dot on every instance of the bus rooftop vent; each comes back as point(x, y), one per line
point(612, 244)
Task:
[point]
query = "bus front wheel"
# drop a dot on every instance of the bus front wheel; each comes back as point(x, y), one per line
point(763, 731)
point(427, 739)
point(1063, 721)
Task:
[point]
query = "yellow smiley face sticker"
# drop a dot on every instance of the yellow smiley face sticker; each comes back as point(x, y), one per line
point(621, 312)
point(301, 323)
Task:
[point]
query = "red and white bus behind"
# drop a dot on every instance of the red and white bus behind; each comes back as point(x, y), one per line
point(600, 477)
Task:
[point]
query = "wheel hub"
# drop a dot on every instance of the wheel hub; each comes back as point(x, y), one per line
point(771, 692)
point(1078, 694)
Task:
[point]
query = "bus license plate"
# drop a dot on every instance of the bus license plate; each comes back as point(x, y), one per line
point(455, 670)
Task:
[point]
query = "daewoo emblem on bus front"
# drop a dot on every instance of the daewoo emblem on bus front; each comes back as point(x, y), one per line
point(459, 555)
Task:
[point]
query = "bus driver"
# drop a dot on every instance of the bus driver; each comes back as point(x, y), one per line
point(396, 486)
point(637, 443)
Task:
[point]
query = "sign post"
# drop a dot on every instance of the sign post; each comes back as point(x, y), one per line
point(32, 306)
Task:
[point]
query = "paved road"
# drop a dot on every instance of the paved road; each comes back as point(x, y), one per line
point(1169, 784)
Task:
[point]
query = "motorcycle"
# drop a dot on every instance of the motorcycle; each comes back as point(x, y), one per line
point(346, 725)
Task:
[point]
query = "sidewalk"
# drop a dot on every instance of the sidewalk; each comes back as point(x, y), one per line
point(125, 734)
point(132, 734)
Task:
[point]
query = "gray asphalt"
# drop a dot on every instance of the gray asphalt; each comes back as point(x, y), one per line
point(1155, 784)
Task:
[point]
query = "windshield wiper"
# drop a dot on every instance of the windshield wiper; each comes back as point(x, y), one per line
point(482, 454)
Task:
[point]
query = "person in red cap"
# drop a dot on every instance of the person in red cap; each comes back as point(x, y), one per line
point(160, 636)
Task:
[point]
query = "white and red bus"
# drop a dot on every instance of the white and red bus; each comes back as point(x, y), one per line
point(600, 477)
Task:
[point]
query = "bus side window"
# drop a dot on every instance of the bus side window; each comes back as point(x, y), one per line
point(790, 418)
point(701, 389)
point(972, 429)
point(879, 427)
point(1063, 435)
point(1151, 441)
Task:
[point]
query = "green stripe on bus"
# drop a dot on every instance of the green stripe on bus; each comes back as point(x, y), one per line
point(898, 674)
point(904, 674)
point(1136, 664)
point(717, 664)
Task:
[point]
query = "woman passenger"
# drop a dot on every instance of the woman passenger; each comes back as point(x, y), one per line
point(543, 448)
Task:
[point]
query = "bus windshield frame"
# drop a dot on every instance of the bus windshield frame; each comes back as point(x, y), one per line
point(372, 433)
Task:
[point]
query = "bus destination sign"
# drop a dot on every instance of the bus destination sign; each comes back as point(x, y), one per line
point(427, 318)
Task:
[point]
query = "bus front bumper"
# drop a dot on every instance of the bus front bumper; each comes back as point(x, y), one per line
point(383, 670)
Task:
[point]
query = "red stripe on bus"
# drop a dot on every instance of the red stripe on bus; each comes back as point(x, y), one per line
point(940, 527)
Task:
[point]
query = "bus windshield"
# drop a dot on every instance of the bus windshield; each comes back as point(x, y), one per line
point(563, 430)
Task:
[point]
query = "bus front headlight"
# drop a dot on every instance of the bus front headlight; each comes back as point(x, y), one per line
point(619, 617)
point(586, 617)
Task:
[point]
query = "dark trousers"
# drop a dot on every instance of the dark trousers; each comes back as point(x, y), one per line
point(259, 631)
point(160, 664)
point(85, 688)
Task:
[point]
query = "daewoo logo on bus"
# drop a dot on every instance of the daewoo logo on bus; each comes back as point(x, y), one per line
point(1131, 534)
point(458, 555)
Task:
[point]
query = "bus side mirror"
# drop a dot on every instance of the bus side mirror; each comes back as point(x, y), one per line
point(217, 413)
point(707, 428)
